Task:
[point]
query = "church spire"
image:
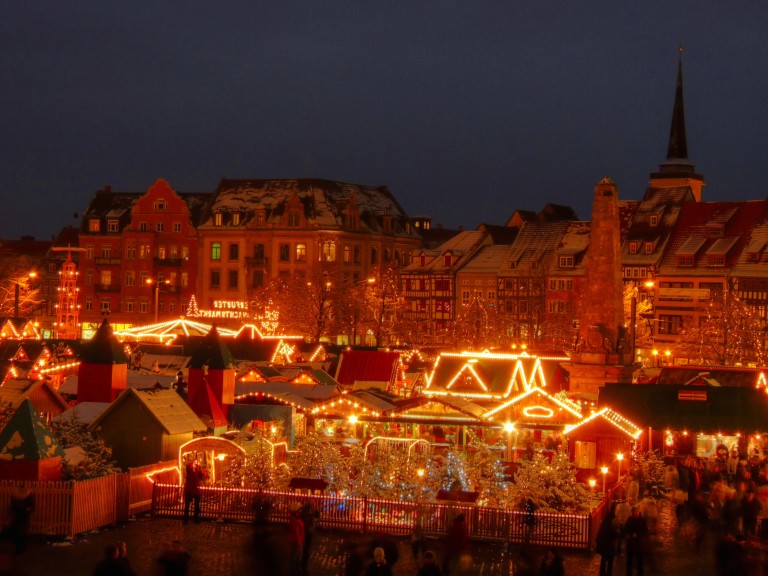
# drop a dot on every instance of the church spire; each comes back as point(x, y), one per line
point(678, 146)
point(677, 170)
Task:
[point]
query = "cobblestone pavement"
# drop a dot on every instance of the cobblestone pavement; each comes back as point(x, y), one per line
point(220, 549)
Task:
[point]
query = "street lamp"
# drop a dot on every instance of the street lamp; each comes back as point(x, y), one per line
point(17, 294)
point(509, 427)
point(619, 457)
point(604, 470)
point(156, 285)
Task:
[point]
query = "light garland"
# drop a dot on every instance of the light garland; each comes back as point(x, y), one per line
point(611, 416)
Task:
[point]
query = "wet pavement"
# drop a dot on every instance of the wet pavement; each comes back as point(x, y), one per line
point(220, 549)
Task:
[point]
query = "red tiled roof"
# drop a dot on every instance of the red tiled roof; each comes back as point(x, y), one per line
point(368, 366)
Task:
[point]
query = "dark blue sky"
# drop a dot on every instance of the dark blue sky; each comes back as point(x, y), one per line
point(466, 110)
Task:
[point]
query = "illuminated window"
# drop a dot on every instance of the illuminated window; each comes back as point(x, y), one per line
point(173, 251)
point(94, 225)
point(185, 251)
point(236, 219)
point(329, 251)
point(217, 219)
point(161, 252)
point(144, 251)
point(301, 252)
point(216, 251)
point(347, 255)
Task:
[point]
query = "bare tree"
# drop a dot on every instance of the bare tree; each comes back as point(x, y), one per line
point(19, 288)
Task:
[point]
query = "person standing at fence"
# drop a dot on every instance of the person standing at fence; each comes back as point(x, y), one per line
point(22, 506)
point(310, 517)
point(193, 477)
point(456, 543)
point(429, 565)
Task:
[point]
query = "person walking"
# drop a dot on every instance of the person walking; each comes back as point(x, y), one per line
point(22, 506)
point(379, 566)
point(605, 543)
point(429, 565)
point(552, 564)
point(456, 543)
point(193, 477)
point(109, 565)
point(295, 538)
point(174, 560)
point(635, 538)
point(750, 510)
point(310, 517)
point(122, 557)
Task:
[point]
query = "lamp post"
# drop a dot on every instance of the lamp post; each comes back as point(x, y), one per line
point(17, 295)
point(509, 427)
point(156, 285)
point(619, 457)
point(604, 470)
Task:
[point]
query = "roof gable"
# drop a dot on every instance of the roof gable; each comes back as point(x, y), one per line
point(166, 407)
point(26, 436)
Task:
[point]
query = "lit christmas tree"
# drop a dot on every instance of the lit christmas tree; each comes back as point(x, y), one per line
point(550, 485)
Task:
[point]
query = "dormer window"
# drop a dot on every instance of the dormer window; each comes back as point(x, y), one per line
point(294, 220)
point(94, 225)
point(111, 225)
point(423, 260)
point(716, 260)
point(161, 204)
point(236, 219)
point(447, 260)
point(654, 220)
point(566, 261)
point(218, 218)
point(261, 218)
point(649, 247)
point(685, 260)
point(715, 231)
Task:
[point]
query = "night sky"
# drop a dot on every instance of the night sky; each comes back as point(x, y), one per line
point(466, 110)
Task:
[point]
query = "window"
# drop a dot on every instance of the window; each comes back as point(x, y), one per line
point(447, 261)
point(654, 220)
point(177, 226)
point(374, 256)
point(105, 305)
point(143, 306)
point(234, 251)
point(633, 247)
point(94, 225)
point(685, 260)
point(184, 279)
point(173, 251)
point(89, 251)
point(88, 303)
point(465, 297)
point(89, 278)
point(143, 277)
point(329, 252)
point(716, 260)
point(111, 225)
point(236, 219)
point(215, 279)
point(557, 306)
point(128, 306)
point(260, 218)
point(356, 256)
point(143, 226)
point(649, 247)
point(161, 253)
point(566, 261)
point(294, 220)
point(160, 204)
point(130, 278)
point(216, 251)
point(232, 279)
point(172, 306)
point(442, 285)
point(387, 255)
point(185, 251)
point(670, 324)
point(347, 255)
point(130, 251)
point(442, 306)
point(285, 252)
point(301, 252)
point(144, 251)
point(258, 278)
point(106, 251)
point(159, 227)
point(217, 219)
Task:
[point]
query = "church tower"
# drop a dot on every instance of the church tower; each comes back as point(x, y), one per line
point(678, 171)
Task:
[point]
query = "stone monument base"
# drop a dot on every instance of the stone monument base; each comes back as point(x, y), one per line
point(589, 378)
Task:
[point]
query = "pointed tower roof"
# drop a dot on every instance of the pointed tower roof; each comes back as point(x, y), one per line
point(212, 352)
point(678, 170)
point(26, 436)
point(103, 348)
